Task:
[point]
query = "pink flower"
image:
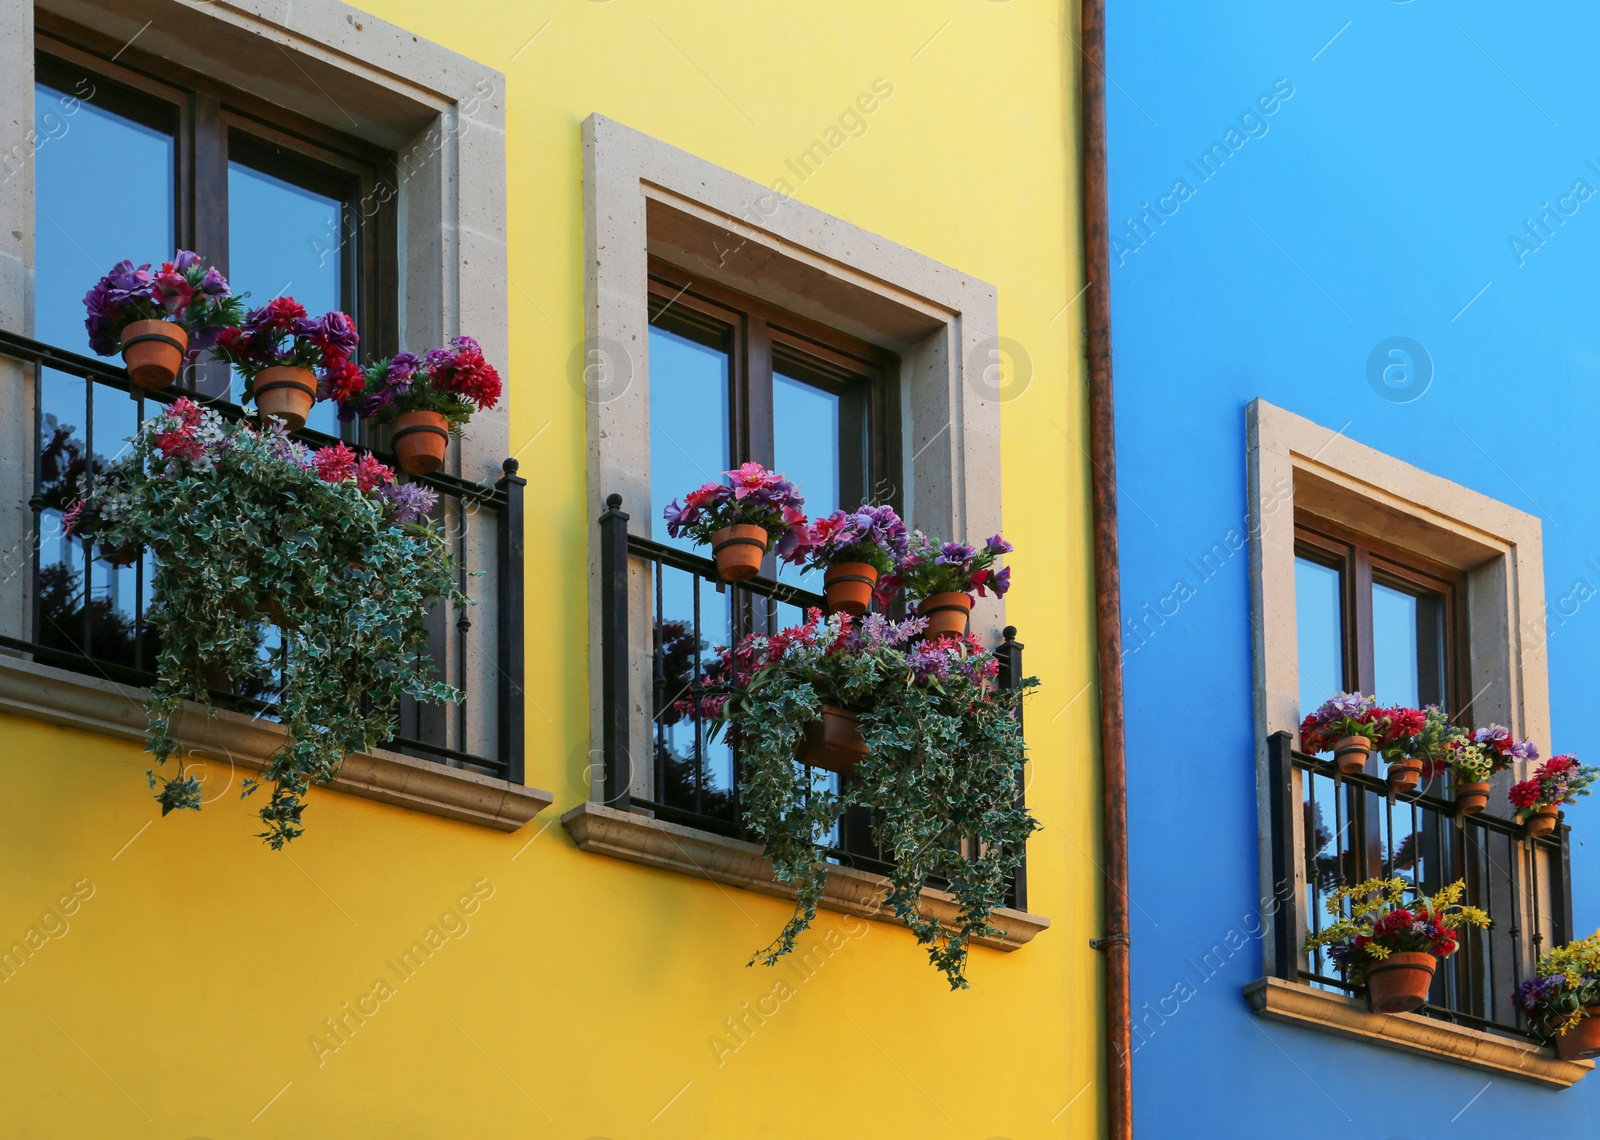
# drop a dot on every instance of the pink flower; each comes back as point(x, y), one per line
point(371, 474)
point(750, 477)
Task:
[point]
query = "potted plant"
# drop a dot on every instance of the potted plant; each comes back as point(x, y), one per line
point(942, 578)
point(287, 358)
point(854, 551)
point(938, 759)
point(249, 526)
point(1563, 1000)
point(1538, 800)
point(1389, 947)
point(1348, 725)
point(426, 400)
point(740, 519)
point(159, 320)
point(1403, 747)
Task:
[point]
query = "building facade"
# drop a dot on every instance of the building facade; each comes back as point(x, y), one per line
point(1353, 370)
point(821, 237)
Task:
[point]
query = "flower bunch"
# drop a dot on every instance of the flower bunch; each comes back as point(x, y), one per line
point(182, 291)
point(1380, 924)
point(874, 535)
point(1423, 734)
point(1497, 741)
point(1567, 984)
point(1347, 714)
point(280, 334)
point(1559, 780)
point(753, 496)
point(249, 526)
point(951, 568)
point(455, 382)
point(944, 751)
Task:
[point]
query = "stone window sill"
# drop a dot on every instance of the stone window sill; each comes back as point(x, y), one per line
point(97, 705)
point(655, 843)
point(1300, 1004)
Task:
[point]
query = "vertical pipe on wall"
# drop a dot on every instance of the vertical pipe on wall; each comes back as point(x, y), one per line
point(1108, 590)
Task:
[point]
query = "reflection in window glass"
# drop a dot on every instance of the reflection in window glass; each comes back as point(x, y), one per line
point(805, 437)
point(283, 240)
point(85, 222)
point(1320, 631)
point(1394, 647)
point(688, 422)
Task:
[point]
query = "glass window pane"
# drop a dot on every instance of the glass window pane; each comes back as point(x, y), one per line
point(689, 428)
point(805, 442)
point(84, 224)
point(1319, 624)
point(87, 221)
point(283, 240)
point(1394, 646)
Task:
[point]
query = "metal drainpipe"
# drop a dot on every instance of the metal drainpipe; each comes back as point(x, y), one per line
point(1108, 588)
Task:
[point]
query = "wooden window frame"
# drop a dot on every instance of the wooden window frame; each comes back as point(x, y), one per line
point(213, 122)
point(760, 337)
point(1363, 561)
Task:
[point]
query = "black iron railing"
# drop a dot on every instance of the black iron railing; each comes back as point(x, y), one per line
point(89, 614)
point(1353, 828)
point(693, 773)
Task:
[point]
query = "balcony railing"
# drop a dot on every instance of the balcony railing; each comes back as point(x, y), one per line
point(1331, 830)
point(668, 632)
point(89, 615)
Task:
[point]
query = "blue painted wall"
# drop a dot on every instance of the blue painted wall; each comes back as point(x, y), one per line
point(1379, 199)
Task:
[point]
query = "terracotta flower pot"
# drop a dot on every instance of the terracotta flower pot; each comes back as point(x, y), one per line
point(419, 440)
point(1405, 775)
point(1582, 1041)
point(833, 741)
point(946, 613)
point(738, 550)
point(154, 352)
point(848, 587)
point(285, 393)
point(1542, 822)
point(1472, 798)
point(1351, 754)
point(1400, 982)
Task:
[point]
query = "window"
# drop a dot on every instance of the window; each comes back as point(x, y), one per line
point(1371, 575)
point(733, 380)
point(280, 204)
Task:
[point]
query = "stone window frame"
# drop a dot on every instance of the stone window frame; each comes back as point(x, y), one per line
point(1293, 463)
point(644, 197)
point(443, 115)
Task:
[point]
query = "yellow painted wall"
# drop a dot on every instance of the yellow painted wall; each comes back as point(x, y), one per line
point(578, 999)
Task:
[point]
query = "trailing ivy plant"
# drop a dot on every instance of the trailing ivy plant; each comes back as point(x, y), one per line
point(944, 754)
point(250, 527)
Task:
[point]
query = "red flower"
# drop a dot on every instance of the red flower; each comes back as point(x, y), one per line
point(1404, 723)
point(341, 382)
point(171, 289)
point(334, 464)
point(371, 474)
point(1525, 794)
point(1310, 735)
point(470, 375)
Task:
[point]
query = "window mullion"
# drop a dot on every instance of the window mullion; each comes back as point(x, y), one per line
point(757, 383)
point(203, 192)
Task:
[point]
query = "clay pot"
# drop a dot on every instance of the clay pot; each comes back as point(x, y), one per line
point(833, 741)
point(154, 352)
point(1405, 775)
point(1400, 982)
point(946, 613)
point(848, 587)
point(1582, 1041)
point(738, 550)
point(1542, 822)
point(1472, 798)
point(1351, 754)
point(419, 440)
point(285, 393)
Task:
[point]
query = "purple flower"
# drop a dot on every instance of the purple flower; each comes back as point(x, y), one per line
point(407, 502)
point(186, 260)
point(678, 517)
point(402, 367)
point(214, 284)
point(998, 546)
point(955, 554)
point(1001, 582)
